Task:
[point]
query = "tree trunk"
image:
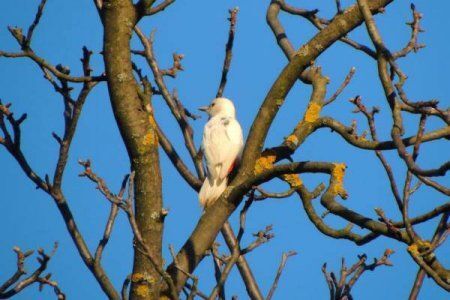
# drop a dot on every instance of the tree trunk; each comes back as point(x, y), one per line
point(139, 135)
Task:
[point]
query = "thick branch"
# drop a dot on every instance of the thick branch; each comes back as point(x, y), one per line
point(138, 130)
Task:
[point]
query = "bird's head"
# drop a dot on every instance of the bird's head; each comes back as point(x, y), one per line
point(220, 106)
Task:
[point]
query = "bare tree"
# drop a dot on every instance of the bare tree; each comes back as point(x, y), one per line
point(131, 92)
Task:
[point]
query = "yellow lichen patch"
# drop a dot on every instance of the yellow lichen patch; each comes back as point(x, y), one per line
point(142, 290)
point(151, 120)
point(413, 249)
point(424, 245)
point(363, 138)
point(292, 139)
point(149, 138)
point(279, 101)
point(293, 180)
point(142, 282)
point(150, 279)
point(338, 174)
point(265, 162)
point(313, 112)
point(419, 246)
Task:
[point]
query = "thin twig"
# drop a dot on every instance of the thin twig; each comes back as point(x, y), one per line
point(370, 116)
point(341, 288)
point(412, 45)
point(283, 262)
point(173, 71)
point(127, 206)
point(72, 110)
point(228, 51)
point(124, 291)
point(170, 100)
point(344, 84)
point(35, 23)
point(217, 268)
point(7, 290)
point(194, 289)
point(158, 8)
point(417, 284)
point(265, 194)
point(338, 7)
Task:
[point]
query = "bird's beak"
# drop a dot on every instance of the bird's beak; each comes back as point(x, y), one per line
point(204, 108)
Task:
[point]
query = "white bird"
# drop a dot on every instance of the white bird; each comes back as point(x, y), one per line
point(222, 146)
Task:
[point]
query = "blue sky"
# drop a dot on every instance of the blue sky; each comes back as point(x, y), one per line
point(198, 29)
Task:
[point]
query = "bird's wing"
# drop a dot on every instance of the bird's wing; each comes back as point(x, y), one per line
point(235, 146)
point(210, 145)
point(222, 144)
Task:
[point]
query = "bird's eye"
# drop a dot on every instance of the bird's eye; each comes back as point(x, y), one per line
point(213, 104)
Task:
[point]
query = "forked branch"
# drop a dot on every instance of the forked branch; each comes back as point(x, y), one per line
point(16, 283)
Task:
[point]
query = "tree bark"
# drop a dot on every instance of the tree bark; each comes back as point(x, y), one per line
point(138, 131)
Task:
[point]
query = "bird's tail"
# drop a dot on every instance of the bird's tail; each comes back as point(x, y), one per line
point(211, 190)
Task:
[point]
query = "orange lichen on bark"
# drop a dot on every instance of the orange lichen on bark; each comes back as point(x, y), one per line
point(265, 162)
point(338, 174)
point(313, 112)
point(151, 120)
point(419, 246)
point(142, 282)
point(292, 139)
point(136, 277)
point(293, 180)
point(150, 137)
point(142, 290)
point(363, 138)
point(413, 248)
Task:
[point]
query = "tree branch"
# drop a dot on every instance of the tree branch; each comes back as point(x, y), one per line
point(127, 206)
point(284, 259)
point(341, 288)
point(171, 100)
point(7, 290)
point(228, 51)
